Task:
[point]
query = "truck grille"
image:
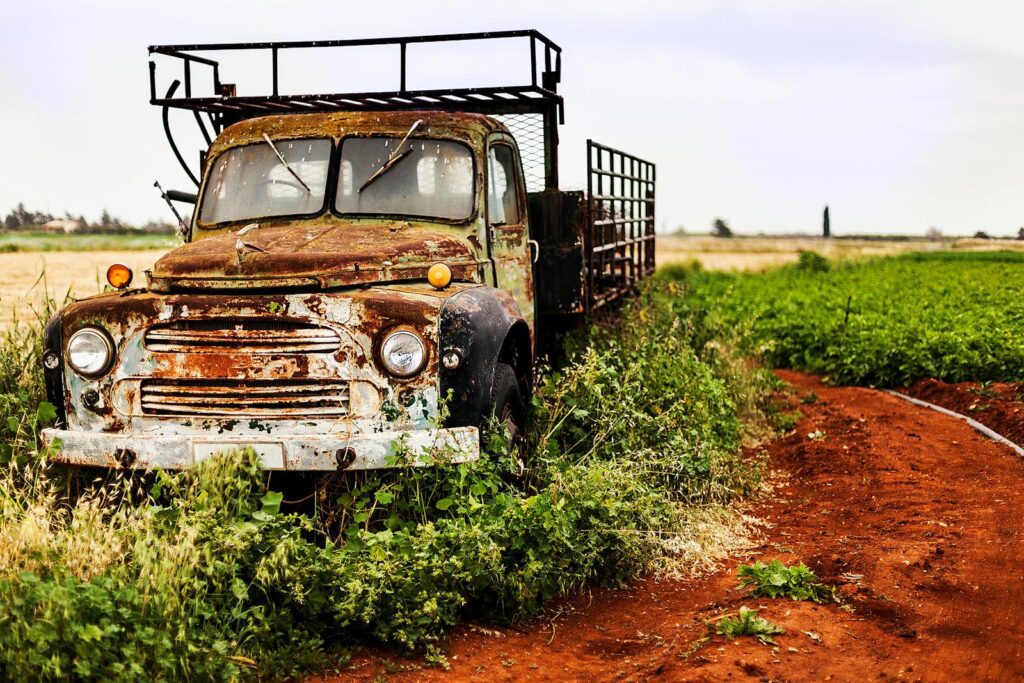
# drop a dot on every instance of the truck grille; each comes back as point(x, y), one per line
point(263, 398)
point(242, 335)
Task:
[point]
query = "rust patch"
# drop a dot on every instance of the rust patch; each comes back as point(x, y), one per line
point(331, 255)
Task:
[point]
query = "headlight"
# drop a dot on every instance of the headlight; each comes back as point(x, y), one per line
point(403, 353)
point(90, 352)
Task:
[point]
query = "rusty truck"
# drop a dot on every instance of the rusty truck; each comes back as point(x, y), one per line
point(364, 275)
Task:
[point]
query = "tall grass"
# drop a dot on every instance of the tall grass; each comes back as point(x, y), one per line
point(635, 456)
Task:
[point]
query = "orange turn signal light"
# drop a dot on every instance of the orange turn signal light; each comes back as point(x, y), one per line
point(119, 276)
point(439, 276)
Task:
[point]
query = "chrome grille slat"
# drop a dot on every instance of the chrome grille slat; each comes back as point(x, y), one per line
point(243, 335)
point(177, 411)
point(266, 398)
point(226, 390)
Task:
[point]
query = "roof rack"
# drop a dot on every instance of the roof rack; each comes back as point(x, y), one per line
point(538, 99)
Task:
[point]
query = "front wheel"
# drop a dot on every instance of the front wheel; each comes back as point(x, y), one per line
point(508, 407)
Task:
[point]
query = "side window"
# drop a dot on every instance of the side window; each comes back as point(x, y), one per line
point(502, 186)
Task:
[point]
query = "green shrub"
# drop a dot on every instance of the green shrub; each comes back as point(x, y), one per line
point(812, 262)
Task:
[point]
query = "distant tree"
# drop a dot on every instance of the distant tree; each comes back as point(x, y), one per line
point(826, 224)
point(22, 215)
point(721, 228)
point(105, 220)
point(1020, 234)
point(981, 235)
point(933, 234)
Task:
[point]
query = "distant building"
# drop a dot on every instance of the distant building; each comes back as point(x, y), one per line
point(62, 225)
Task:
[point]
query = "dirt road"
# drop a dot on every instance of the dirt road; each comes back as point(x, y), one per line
point(916, 518)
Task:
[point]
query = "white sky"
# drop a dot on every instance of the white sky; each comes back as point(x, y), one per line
point(900, 114)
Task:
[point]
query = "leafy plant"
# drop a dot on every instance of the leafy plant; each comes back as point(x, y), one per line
point(776, 580)
point(747, 623)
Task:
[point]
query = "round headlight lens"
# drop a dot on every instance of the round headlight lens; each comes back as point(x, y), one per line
point(90, 352)
point(403, 353)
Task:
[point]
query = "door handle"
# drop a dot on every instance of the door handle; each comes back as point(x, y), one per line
point(535, 248)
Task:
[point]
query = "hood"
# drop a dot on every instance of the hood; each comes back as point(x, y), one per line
point(326, 256)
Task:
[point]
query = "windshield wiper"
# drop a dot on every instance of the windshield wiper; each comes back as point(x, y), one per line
point(395, 157)
point(285, 163)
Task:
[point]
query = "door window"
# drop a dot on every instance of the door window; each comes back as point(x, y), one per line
point(503, 186)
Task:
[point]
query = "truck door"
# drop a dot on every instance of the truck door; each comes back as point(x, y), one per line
point(508, 236)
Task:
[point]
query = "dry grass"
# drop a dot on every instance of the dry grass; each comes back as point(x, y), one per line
point(708, 536)
point(23, 284)
point(38, 529)
point(762, 253)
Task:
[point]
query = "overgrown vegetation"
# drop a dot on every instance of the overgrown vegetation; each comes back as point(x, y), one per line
point(747, 623)
point(953, 316)
point(776, 580)
point(202, 574)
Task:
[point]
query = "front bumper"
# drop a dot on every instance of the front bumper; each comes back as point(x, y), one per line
point(417, 448)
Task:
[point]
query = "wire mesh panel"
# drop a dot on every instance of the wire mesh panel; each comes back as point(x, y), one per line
point(528, 130)
point(619, 241)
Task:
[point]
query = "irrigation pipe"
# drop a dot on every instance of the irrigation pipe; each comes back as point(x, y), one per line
point(995, 436)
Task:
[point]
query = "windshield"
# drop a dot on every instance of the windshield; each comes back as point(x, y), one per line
point(270, 178)
point(417, 177)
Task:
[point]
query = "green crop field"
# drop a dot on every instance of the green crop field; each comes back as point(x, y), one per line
point(883, 322)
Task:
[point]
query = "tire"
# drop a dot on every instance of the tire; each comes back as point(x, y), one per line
point(507, 406)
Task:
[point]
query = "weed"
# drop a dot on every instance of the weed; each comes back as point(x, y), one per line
point(747, 623)
point(776, 580)
point(783, 420)
point(985, 390)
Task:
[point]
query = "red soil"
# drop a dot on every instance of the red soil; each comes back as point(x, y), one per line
point(916, 518)
point(998, 406)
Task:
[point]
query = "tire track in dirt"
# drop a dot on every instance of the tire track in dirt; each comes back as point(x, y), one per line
point(925, 510)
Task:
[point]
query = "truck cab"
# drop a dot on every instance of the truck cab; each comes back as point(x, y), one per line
point(356, 290)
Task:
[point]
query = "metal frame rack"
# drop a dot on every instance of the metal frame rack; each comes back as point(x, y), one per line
point(619, 240)
point(537, 97)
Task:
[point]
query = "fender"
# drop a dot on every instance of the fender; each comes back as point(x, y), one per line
point(475, 323)
point(53, 342)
